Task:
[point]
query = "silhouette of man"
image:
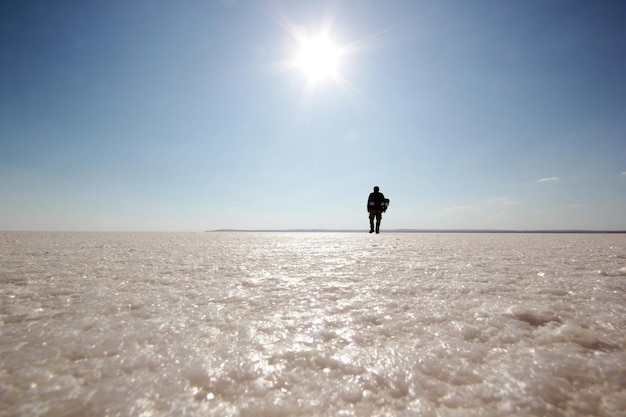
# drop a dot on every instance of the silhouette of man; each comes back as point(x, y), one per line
point(376, 205)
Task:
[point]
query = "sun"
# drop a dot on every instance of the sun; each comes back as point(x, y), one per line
point(318, 58)
point(320, 54)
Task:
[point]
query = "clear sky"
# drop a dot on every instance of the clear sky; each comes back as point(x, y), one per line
point(200, 115)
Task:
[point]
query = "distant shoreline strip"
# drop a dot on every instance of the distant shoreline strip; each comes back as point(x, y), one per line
point(422, 231)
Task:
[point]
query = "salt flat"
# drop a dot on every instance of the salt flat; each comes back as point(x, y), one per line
point(312, 324)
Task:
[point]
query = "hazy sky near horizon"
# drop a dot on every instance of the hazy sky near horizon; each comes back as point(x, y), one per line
point(199, 115)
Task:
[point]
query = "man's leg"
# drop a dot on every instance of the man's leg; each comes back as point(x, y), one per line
point(371, 222)
point(379, 217)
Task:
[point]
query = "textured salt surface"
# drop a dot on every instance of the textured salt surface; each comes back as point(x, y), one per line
point(271, 324)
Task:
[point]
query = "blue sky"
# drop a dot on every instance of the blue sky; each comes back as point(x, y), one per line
point(184, 116)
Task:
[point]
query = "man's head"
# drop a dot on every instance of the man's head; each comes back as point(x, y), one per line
point(376, 189)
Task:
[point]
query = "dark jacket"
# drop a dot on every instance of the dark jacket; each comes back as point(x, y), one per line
point(375, 201)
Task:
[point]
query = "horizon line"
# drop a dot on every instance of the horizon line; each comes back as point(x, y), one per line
point(302, 230)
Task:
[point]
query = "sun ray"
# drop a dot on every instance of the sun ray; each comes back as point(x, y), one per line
point(319, 58)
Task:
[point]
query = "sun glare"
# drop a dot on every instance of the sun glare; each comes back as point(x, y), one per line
point(318, 58)
point(321, 59)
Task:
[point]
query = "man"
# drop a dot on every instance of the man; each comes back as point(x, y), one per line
point(376, 205)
